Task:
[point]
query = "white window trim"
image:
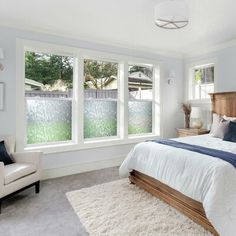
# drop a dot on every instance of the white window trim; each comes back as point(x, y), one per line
point(118, 100)
point(79, 142)
point(189, 73)
point(155, 82)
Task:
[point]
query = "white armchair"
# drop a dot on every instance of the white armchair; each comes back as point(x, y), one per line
point(22, 174)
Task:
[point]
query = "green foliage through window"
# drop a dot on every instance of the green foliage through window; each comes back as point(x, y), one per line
point(98, 74)
point(49, 68)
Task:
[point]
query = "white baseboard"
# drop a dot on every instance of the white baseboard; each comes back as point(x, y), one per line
point(80, 168)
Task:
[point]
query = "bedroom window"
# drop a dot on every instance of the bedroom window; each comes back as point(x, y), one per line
point(202, 81)
point(48, 97)
point(140, 104)
point(72, 98)
point(100, 98)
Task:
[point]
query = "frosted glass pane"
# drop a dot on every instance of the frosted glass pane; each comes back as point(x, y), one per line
point(206, 89)
point(48, 120)
point(140, 117)
point(197, 92)
point(100, 118)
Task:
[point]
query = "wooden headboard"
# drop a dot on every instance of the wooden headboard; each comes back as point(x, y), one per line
point(224, 103)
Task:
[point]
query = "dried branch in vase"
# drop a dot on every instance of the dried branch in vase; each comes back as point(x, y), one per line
point(187, 111)
point(186, 108)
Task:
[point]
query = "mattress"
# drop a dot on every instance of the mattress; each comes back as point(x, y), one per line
point(203, 178)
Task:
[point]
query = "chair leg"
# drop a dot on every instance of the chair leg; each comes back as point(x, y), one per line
point(37, 187)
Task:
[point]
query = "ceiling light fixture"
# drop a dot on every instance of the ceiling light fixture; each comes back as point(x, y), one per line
point(171, 14)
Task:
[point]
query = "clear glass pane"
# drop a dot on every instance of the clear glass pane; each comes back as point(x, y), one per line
point(204, 75)
point(198, 76)
point(209, 74)
point(204, 82)
point(100, 79)
point(100, 118)
point(48, 75)
point(140, 117)
point(140, 82)
point(48, 120)
point(48, 92)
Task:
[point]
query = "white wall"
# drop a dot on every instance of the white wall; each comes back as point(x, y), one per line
point(77, 161)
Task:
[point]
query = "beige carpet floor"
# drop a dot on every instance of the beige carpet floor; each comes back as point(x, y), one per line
point(119, 208)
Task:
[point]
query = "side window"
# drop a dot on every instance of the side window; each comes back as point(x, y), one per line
point(203, 81)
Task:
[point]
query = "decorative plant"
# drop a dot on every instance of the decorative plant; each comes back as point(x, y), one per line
point(198, 76)
point(187, 111)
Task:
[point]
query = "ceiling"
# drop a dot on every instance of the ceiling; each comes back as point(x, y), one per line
point(124, 23)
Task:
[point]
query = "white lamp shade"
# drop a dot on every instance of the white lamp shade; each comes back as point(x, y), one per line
point(171, 14)
point(1, 53)
point(196, 112)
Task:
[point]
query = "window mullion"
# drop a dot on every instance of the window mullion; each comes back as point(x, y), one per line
point(21, 101)
point(124, 98)
point(156, 117)
point(80, 101)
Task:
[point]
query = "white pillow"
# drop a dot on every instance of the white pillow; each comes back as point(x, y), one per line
point(222, 129)
point(233, 119)
point(215, 123)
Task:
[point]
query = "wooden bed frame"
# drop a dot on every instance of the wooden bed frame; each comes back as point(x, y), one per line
point(222, 104)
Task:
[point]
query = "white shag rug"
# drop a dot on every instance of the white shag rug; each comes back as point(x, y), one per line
point(121, 209)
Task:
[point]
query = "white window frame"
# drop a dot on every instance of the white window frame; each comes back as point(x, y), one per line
point(98, 139)
point(78, 141)
point(154, 81)
point(74, 99)
point(189, 75)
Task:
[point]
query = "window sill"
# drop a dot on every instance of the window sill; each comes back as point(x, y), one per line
point(200, 101)
point(69, 147)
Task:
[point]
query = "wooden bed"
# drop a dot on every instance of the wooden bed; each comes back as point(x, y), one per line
point(222, 104)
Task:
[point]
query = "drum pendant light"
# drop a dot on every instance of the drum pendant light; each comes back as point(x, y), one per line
point(171, 14)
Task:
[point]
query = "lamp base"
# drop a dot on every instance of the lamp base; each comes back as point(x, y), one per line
point(197, 124)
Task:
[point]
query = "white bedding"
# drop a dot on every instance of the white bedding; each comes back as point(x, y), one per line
point(209, 180)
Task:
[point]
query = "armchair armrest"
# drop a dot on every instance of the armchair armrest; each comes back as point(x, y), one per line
point(28, 157)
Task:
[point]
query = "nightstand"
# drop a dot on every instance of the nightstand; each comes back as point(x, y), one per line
point(191, 132)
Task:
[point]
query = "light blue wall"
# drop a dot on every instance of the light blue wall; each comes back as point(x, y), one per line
point(172, 95)
point(225, 73)
point(226, 67)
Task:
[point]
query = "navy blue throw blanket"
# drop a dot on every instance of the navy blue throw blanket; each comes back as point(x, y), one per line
point(226, 156)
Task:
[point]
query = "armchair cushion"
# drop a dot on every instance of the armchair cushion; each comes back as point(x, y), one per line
point(4, 156)
point(16, 171)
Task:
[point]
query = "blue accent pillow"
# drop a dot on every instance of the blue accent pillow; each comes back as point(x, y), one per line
point(4, 156)
point(231, 133)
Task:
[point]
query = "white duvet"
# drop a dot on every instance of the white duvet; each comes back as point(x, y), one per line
point(209, 180)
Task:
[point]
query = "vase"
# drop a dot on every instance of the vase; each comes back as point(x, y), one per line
point(187, 121)
point(197, 124)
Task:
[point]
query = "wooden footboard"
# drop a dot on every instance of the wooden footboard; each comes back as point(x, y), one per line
point(191, 208)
